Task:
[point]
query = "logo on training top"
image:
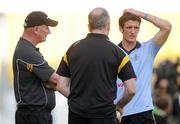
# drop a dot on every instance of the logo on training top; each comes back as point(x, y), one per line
point(29, 67)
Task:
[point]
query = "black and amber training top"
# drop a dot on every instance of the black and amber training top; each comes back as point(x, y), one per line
point(30, 72)
point(93, 64)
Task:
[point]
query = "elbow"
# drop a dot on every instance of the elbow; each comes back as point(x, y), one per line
point(63, 89)
point(132, 93)
point(130, 87)
point(168, 27)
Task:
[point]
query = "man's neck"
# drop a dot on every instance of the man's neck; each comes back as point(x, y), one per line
point(128, 45)
point(98, 31)
point(29, 37)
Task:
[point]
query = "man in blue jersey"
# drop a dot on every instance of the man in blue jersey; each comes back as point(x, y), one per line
point(142, 55)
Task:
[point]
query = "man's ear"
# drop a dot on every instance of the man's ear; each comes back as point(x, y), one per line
point(120, 29)
point(108, 26)
point(89, 27)
point(36, 29)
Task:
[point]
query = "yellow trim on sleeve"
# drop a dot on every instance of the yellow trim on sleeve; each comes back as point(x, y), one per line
point(29, 67)
point(123, 63)
point(65, 59)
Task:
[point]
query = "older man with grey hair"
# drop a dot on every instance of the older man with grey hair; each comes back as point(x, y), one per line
point(93, 64)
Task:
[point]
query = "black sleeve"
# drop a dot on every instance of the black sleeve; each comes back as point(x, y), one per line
point(39, 66)
point(125, 69)
point(43, 71)
point(35, 63)
point(63, 68)
point(127, 72)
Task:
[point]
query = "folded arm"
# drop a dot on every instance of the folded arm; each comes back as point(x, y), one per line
point(59, 83)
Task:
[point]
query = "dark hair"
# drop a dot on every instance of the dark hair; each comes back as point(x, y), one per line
point(126, 17)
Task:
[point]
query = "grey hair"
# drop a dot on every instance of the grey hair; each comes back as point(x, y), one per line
point(98, 18)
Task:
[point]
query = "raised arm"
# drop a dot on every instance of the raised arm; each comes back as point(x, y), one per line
point(163, 25)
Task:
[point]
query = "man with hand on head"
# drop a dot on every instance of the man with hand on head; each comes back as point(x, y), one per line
point(142, 55)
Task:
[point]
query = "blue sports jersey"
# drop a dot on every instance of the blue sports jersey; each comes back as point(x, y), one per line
point(142, 59)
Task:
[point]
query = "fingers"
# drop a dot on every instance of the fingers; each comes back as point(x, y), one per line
point(129, 10)
point(118, 116)
point(133, 11)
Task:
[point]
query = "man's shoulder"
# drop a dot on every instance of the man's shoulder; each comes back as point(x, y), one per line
point(148, 42)
point(76, 43)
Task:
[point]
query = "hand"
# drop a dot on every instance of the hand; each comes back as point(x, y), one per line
point(118, 116)
point(119, 109)
point(50, 85)
point(132, 11)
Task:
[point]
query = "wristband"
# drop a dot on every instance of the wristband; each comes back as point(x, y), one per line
point(145, 16)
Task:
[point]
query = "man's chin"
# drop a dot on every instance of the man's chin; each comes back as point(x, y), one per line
point(132, 40)
point(43, 40)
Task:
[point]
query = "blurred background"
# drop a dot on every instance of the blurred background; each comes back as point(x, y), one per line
point(72, 16)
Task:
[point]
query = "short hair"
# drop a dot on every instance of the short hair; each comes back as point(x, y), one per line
point(126, 17)
point(98, 18)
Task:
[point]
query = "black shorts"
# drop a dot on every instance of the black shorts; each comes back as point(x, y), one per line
point(33, 117)
point(139, 118)
point(76, 119)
